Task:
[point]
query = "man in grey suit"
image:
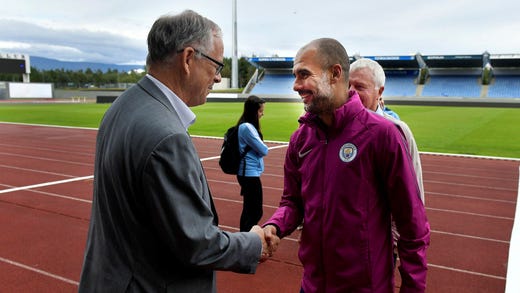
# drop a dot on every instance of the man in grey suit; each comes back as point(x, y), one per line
point(153, 226)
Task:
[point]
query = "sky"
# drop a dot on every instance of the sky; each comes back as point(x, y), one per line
point(115, 31)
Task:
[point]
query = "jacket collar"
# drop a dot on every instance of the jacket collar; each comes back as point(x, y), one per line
point(148, 86)
point(342, 115)
point(168, 98)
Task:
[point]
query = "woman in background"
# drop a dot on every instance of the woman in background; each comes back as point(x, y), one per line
point(250, 140)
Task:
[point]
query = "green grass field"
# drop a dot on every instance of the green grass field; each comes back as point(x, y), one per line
point(458, 130)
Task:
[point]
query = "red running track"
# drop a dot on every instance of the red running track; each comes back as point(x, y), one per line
point(46, 191)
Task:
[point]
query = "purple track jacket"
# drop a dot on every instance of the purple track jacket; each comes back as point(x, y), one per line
point(345, 182)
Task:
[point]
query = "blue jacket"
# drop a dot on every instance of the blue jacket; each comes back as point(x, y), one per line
point(247, 135)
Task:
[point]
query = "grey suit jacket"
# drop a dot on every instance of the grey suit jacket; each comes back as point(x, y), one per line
point(153, 226)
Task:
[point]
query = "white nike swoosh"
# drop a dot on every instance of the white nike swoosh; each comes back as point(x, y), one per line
point(301, 155)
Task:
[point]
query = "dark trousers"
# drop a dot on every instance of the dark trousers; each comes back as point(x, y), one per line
point(251, 191)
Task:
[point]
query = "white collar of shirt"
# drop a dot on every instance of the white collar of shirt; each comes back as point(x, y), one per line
point(185, 114)
point(379, 110)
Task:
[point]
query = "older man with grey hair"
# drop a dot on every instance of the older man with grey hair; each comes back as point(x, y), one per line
point(154, 227)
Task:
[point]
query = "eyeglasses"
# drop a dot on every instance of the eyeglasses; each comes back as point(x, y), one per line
point(219, 64)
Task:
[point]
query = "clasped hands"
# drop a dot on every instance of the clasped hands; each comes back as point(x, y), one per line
point(269, 239)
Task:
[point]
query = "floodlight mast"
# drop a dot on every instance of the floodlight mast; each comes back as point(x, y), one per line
point(234, 60)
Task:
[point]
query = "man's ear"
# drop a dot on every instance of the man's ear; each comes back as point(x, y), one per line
point(381, 90)
point(187, 59)
point(336, 71)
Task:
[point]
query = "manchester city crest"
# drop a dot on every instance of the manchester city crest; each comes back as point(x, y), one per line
point(348, 152)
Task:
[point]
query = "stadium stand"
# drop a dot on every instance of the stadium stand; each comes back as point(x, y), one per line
point(452, 86)
point(401, 84)
point(505, 86)
point(506, 76)
point(274, 83)
point(419, 77)
point(454, 75)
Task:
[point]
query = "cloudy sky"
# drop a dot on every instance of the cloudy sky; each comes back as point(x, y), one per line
point(114, 31)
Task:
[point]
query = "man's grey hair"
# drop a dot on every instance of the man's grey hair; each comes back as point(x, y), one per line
point(172, 33)
point(378, 74)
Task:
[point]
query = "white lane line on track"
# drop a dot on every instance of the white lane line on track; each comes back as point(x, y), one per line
point(46, 159)
point(469, 236)
point(513, 263)
point(83, 151)
point(50, 194)
point(42, 272)
point(469, 214)
point(35, 171)
point(457, 174)
point(431, 193)
point(470, 185)
point(48, 125)
point(466, 271)
point(46, 184)
point(470, 156)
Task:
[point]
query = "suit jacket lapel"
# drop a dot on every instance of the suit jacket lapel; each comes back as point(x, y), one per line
point(148, 86)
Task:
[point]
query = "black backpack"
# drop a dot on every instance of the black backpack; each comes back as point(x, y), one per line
point(230, 157)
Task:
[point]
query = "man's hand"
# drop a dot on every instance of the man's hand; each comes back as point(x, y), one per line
point(265, 250)
point(271, 238)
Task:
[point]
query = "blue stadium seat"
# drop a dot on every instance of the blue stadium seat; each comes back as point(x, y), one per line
point(505, 86)
point(400, 86)
point(280, 84)
point(452, 86)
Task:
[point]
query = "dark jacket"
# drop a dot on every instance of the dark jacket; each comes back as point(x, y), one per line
point(153, 226)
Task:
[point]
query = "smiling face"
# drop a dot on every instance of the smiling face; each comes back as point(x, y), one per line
point(312, 83)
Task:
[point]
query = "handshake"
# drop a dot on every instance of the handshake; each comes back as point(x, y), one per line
point(269, 239)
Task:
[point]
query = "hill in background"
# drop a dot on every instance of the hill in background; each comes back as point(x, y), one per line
point(42, 63)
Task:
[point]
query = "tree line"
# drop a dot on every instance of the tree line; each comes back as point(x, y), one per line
point(62, 78)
